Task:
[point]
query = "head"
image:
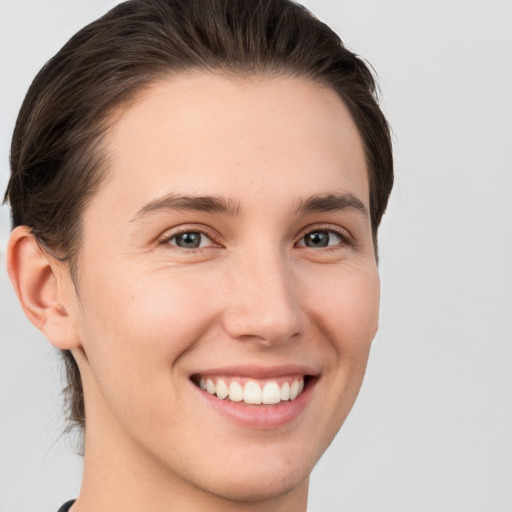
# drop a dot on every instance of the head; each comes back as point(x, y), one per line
point(148, 63)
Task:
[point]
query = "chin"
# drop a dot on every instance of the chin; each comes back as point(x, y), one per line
point(261, 472)
point(249, 486)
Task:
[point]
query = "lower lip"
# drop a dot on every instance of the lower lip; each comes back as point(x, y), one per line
point(262, 417)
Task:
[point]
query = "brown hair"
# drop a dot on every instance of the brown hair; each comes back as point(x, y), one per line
point(56, 157)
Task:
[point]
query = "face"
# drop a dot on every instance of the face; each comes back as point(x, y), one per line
point(228, 284)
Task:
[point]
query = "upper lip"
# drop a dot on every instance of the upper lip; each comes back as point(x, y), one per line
point(260, 372)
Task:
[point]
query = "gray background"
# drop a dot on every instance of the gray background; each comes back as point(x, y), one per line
point(432, 429)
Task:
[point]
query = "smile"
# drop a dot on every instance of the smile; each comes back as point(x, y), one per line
point(257, 397)
point(253, 391)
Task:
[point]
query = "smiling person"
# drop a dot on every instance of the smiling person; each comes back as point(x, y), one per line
point(196, 190)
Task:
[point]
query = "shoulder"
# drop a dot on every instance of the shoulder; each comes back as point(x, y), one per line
point(66, 506)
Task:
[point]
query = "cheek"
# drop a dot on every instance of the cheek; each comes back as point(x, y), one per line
point(346, 303)
point(135, 332)
point(346, 309)
point(138, 324)
point(360, 309)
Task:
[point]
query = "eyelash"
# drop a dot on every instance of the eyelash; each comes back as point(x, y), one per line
point(345, 239)
point(166, 239)
point(336, 230)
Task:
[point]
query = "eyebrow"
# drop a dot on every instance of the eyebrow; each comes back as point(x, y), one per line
point(211, 204)
point(191, 203)
point(331, 203)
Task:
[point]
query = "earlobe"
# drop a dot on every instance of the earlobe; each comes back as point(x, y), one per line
point(40, 284)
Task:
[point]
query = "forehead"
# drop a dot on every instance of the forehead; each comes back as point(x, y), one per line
point(206, 133)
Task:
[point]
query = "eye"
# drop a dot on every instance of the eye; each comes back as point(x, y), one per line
point(321, 238)
point(190, 240)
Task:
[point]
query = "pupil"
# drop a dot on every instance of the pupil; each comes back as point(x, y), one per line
point(317, 239)
point(189, 240)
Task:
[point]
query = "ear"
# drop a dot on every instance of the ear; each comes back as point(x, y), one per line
point(44, 288)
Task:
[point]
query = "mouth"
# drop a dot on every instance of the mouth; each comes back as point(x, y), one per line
point(258, 397)
point(254, 391)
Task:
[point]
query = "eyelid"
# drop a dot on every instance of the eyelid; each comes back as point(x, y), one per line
point(168, 235)
point(343, 233)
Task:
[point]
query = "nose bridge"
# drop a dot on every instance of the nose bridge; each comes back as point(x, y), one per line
point(263, 298)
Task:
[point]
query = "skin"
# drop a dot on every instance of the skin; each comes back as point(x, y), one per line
point(150, 313)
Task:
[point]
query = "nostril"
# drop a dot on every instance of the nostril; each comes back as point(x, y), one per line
point(257, 326)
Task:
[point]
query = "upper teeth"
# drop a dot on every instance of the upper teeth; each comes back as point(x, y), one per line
point(252, 392)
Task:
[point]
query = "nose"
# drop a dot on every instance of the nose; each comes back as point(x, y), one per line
point(262, 303)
